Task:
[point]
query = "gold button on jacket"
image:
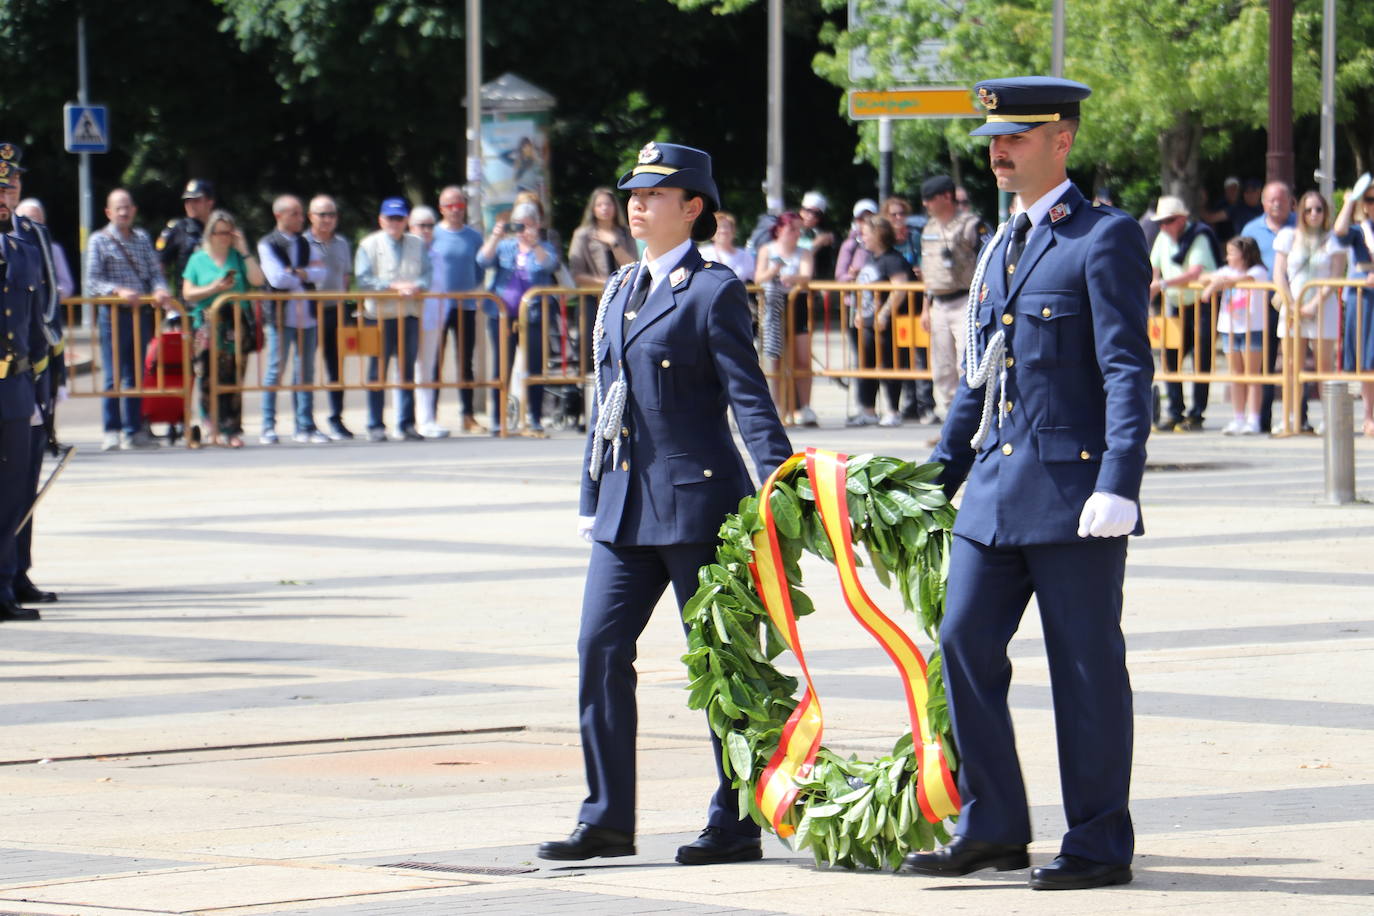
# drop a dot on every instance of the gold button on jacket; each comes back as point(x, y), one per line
point(1006, 449)
point(1045, 312)
point(1008, 319)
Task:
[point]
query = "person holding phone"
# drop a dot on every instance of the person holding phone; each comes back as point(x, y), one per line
point(523, 260)
point(223, 263)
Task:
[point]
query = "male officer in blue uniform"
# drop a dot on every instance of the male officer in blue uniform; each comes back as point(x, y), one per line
point(1053, 449)
point(49, 370)
point(20, 335)
point(673, 350)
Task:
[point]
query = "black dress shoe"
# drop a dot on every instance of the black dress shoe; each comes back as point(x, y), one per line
point(1072, 873)
point(715, 846)
point(9, 610)
point(410, 434)
point(32, 594)
point(588, 842)
point(963, 856)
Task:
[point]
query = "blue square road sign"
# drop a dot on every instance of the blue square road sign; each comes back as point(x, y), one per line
point(86, 128)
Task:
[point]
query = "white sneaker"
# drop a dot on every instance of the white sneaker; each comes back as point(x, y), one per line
point(806, 417)
point(434, 431)
point(862, 419)
point(1250, 427)
point(314, 437)
point(268, 437)
point(890, 419)
point(1234, 428)
point(110, 443)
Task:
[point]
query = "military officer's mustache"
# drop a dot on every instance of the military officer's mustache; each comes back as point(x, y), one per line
point(1002, 164)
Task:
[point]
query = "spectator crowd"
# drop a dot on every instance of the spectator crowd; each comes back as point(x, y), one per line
point(1204, 265)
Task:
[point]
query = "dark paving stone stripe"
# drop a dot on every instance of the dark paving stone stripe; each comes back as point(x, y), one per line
point(29, 866)
point(203, 650)
point(313, 693)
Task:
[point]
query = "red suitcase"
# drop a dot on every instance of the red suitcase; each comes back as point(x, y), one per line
point(165, 409)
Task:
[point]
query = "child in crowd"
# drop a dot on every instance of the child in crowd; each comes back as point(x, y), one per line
point(1240, 327)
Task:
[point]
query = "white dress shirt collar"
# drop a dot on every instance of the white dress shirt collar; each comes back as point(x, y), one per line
point(660, 266)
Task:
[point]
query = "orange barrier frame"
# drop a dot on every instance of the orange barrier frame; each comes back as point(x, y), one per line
point(360, 337)
point(160, 371)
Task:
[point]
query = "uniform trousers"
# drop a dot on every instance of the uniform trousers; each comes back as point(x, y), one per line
point(38, 440)
point(1078, 590)
point(947, 336)
point(623, 585)
point(15, 496)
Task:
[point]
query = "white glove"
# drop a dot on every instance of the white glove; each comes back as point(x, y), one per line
point(62, 393)
point(1106, 515)
point(584, 527)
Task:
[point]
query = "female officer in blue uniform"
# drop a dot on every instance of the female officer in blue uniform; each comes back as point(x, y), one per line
point(1053, 449)
point(673, 350)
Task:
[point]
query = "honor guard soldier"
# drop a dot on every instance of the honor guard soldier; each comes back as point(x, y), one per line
point(21, 334)
point(49, 368)
point(1048, 428)
point(182, 237)
point(673, 350)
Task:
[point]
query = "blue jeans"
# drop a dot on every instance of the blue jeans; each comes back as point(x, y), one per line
point(377, 369)
point(279, 344)
point(534, 353)
point(131, 351)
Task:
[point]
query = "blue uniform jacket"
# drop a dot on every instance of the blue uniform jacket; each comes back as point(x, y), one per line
point(1079, 371)
point(21, 333)
point(690, 354)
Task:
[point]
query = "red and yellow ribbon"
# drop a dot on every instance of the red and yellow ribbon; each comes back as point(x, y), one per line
point(801, 738)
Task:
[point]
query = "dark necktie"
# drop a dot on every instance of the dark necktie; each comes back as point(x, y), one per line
point(637, 297)
point(1020, 227)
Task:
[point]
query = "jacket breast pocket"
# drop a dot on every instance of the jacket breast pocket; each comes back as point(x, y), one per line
point(1049, 330)
point(674, 385)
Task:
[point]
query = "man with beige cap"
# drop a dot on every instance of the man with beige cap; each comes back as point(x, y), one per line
point(1182, 253)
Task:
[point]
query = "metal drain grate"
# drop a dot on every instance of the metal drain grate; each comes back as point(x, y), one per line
point(461, 869)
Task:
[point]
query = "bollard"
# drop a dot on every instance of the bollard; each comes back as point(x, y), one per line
point(1339, 409)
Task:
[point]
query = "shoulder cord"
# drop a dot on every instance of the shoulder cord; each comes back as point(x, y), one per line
point(50, 311)
point(978, 372)
point(611, 405)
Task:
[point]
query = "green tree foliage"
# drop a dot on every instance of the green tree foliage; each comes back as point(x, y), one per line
point(1176, 84)
point(365, 99)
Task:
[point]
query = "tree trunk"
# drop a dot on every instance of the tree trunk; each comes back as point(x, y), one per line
point(1180, 153)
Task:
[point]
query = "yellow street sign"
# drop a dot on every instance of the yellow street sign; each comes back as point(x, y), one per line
point(930, 102)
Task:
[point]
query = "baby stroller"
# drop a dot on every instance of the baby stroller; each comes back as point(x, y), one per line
point(564, 405)
point(169, 409)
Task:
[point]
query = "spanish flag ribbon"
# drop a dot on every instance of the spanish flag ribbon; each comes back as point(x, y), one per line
point(801, 738)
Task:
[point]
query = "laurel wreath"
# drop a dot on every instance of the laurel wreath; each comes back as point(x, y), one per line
point(850, 812)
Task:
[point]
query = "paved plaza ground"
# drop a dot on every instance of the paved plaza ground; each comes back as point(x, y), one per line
point(340, 680)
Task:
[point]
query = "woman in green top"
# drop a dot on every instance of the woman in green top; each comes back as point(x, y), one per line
point(221, 264)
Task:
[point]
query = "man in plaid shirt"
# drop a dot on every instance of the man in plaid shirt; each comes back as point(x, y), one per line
point(120, 262)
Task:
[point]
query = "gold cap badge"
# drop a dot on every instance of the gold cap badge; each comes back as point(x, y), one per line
point(989, 99)
point(7, 151)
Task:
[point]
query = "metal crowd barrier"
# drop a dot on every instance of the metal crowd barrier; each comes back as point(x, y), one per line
point(159, 363)
point(357, 336)
point(1188, 332)
point(838, 350)
point(1338, 359)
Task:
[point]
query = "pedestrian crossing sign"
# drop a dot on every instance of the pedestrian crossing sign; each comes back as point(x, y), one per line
point(87, 128)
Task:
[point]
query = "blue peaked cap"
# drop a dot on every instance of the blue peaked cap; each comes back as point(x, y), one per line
point(1020, 103)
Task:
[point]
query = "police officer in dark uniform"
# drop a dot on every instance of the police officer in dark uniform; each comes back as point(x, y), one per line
point(1049, 429)
point(20, 336)
point(673, 350)
point(49, 369)
point(182, 236)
